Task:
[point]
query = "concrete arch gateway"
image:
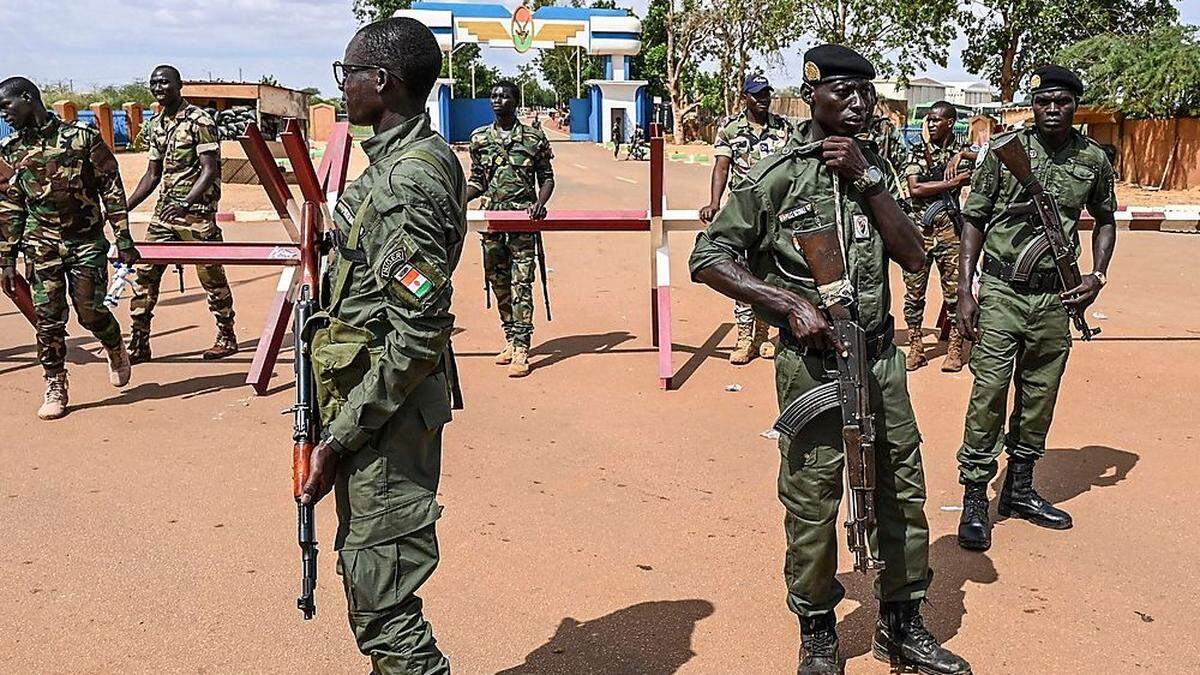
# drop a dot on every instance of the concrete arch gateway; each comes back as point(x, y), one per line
point(612, 34)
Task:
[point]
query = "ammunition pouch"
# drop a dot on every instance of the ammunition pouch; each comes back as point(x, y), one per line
point(341, 356)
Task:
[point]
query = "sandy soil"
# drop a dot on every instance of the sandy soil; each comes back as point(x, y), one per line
point(593, 523)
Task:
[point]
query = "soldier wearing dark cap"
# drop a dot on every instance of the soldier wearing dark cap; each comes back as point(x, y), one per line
point(1020, 330)
point(741, 142)
point(825, 175)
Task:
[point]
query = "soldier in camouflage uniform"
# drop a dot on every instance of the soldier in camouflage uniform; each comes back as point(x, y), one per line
point(740, 143)
point(400, 231)
point(59, 184)
point(510, 169)
point(185, 158)
point(893, 148)
point(936, 172)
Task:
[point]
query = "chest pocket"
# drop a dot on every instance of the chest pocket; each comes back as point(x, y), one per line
point(520, 157)
point(1075, 183)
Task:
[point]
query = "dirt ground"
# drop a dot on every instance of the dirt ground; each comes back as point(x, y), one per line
point(593, 524)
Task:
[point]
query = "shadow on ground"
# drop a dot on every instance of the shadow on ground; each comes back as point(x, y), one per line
point(150, 391)
point(649, 638)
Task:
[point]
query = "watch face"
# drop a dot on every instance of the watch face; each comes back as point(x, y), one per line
point(874, 174)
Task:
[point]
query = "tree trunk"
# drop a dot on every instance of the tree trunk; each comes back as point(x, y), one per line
point(1008, 75)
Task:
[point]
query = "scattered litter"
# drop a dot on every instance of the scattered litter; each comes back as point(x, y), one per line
point(952, 508)
point(733, 387)
point(1145, 617)
point(1099, 316)
point(770, 434)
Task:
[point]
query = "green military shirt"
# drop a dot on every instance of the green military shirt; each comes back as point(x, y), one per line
point(745, 142)
point(59, 183)
point(178, 141)
point(794, 191)
point(919, 166)
point(399, 289)
point(1078, 175)
point(508, 167)
point(889, 140)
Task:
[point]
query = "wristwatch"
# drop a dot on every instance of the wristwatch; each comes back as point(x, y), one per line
point(871, 179)
point(1101, 277)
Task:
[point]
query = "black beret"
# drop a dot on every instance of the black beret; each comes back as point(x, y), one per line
point(825, 63)
point(1051, 77)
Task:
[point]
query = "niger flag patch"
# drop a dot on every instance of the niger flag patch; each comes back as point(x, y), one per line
point(411, 278)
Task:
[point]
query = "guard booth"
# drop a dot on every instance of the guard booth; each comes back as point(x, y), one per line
point(612, 34)
point(238, 103)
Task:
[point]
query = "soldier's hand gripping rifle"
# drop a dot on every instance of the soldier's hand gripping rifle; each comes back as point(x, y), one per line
point(850, 390)
point(1045, 212)
point(306, 421)
point(947, 201)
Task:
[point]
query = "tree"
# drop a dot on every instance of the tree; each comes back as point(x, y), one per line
point(367, 11)
point(269, 80)
point(685, 27)
point(743, 29)
point(1006, 39)
point(1154, 74)
point(899, 38)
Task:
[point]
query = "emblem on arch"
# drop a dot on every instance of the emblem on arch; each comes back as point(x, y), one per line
point(522, 28)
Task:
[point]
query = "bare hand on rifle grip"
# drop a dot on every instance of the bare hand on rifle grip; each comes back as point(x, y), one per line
point(1083, 295)
point(322, 471)
point(811, 328)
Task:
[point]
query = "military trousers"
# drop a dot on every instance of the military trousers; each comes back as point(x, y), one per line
point(941, 251)
point(811, 485)
point(381, 583)
point(69, 269)
point(1024, 341)
point(194, 227)
point(509, 260)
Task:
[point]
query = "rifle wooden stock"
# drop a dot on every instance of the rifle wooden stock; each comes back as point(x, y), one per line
point(23, 299)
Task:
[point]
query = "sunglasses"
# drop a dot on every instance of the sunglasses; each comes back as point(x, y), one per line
point(342, 70)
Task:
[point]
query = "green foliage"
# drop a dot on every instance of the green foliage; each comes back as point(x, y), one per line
point(469, 56)
point(137, 91)
point(651, 63)
point(1007, 39)
point(1154, 74)
point(743, 30)
point(367, 11)
point(315, 97)
point(899, 38)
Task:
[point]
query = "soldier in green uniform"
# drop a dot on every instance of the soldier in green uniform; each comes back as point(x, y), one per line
point(387, 293)
point(59, 184)
point(889, 139)
point(1020, 330)
point(740, 143)
point(936, 172)
point(510, 169)
point(824, 174)
point(185, 158)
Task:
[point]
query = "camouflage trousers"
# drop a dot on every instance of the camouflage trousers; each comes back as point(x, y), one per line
point(941, 249)
point(212, 277)
point(78, 270)
point(508, 261)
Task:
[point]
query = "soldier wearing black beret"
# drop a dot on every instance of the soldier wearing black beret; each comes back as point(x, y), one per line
point(1019, 323)
point(825, 178)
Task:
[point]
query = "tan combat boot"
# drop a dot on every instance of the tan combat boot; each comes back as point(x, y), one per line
point(225, 345)
point(505, 356)
point(916, 349)
point(519, 367)
point(762, 339)
point(744, 349)
point(54, 404)
point(118, 365)
point(954, 351)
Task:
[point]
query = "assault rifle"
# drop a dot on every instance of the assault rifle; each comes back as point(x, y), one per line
point(1044, 210)
point(947, 201)
point(306, 417)
point(849, 391)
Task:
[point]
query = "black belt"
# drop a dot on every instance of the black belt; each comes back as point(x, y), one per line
point(877, 341)
point(1040, 281)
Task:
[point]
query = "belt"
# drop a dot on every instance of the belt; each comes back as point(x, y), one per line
point(1040, 281)
point(877, 341)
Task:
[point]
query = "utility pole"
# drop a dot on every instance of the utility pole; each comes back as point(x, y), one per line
point(579, 71)
point(472, 80)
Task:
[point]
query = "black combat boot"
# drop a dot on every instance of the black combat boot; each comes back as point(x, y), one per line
point(974, 530)
point(819, 646)
point(1018, 499)
point(902, 640)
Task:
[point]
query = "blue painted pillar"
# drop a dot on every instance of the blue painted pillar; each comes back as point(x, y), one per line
point(444, 111)
point(597, 115)
point(608, 67)
point(642, 107)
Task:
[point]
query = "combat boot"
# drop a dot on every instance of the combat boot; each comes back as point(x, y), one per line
point(916, 349)
point(519, 367)
point(139, 347)
point(743, 350)
point(762, 339)
point(505, 356)
point(954, 351)
point(118, 365)
point(902, 640)
point(226, 344)
point(819, 646)
point(54, 403)
point(1019, 499)
point(974, 530)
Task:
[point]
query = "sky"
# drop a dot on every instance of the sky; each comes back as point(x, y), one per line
point(90, 43)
